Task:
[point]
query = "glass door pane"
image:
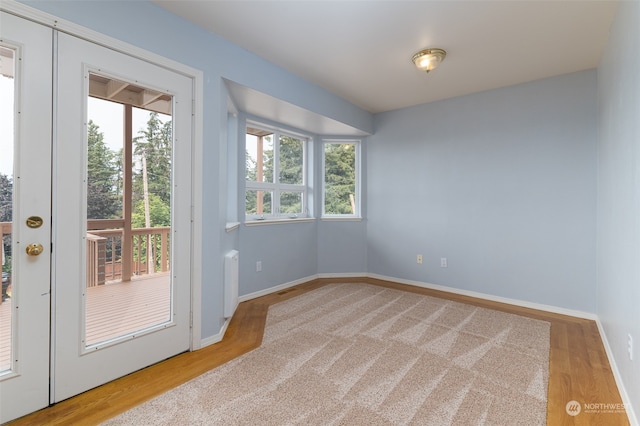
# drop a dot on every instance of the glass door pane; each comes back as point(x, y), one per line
point(128, 195)
point(7, 91)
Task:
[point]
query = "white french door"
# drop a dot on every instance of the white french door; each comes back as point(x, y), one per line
point(25, 205)
point(80, 287)
point(82, 358)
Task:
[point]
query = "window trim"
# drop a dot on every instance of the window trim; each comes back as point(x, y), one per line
point(277, 188)
point(358, 161)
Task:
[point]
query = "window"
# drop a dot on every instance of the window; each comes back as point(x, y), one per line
point(340, 178)
point(275, 174)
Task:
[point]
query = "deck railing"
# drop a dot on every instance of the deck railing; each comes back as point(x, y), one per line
point(149, 248)
point(6, 228)
point(96, 260)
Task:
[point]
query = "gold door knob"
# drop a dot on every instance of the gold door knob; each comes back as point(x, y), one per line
point(34, 249)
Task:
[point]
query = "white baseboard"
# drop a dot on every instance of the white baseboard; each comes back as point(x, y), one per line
point(344, 275)
point(633, 420)
point(516, 302)
point(275, 289)
point(216, 337)
point(280, 287)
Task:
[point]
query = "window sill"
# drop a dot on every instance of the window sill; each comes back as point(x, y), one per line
point(341, 218)
point(231, 226)
point(279, 221)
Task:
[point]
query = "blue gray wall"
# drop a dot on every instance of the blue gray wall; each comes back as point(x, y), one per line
point(288, 253)
point(501, 183)
point(618, 292)
point(342, 247)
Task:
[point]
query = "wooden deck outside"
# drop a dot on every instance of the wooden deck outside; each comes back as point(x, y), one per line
point(125, 307)
point(112, 310)
point(5, 334)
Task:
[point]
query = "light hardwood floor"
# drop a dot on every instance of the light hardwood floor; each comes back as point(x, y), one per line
point(578, 367)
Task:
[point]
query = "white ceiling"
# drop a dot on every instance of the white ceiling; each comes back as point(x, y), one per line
point(361, 50)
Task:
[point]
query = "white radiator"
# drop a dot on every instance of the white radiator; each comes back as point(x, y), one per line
point(231, 272)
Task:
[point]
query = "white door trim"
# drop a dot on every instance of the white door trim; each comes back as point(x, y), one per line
point(62, 25)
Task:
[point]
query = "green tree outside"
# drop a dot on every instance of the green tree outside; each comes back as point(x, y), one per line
point(6, 198)
point(103, 177)
point(153, 149)
point(251, 167)
point(155, 144)
point(159, 212)
point(291, 169)
point(339, 177)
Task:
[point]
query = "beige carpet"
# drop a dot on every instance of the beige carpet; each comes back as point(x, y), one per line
point(358, 354)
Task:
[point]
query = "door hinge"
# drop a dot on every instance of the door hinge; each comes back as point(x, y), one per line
point(191, 319)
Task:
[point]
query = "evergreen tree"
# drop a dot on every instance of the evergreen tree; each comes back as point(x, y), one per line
point(155, 144)
point(102, 178)
point(250, 196)
point(291, 160)
point(291, 172)
point(251, 202)
point(6, 198)
point(340, 177)
point(250, 166)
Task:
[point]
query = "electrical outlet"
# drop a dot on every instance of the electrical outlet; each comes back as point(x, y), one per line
point(630, 346)
point(419, 259)
point(259, 266)
point(443, 262)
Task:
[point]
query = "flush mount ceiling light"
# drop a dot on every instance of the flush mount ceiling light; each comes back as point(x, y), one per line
point(428, 59)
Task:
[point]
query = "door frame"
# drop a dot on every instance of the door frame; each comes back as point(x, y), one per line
point(196, 75)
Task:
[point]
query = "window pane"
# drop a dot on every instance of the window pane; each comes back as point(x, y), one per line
point(278, 161)
point(259, 156)
point(291, 203)
point(7, 140)
point(339, 178)
point(258, 202)
point(291, 160)
point(127, 262)
point(104, 161)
